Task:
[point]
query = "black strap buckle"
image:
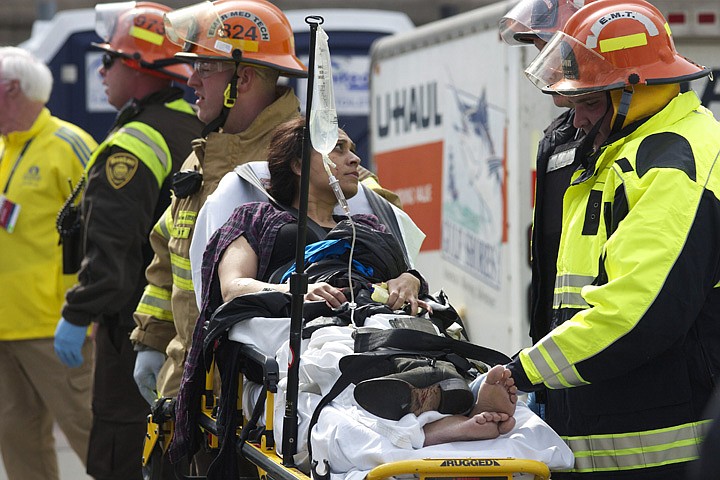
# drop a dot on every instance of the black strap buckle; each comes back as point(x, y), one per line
point(186, 182)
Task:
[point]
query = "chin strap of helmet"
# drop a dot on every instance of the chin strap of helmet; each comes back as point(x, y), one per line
point(624, 106)
point(622, 111)
point(229, 98)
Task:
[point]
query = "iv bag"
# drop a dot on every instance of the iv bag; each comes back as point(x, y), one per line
point(323, 118)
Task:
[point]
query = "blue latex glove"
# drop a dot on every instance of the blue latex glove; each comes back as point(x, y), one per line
point(69, 340)
point(147, 367)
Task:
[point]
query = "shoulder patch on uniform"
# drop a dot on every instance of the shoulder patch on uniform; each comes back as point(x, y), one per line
point(120, 168)
point(665, 150)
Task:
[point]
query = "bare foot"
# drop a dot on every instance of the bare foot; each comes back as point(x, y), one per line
point(498, 393)
point(459, 428)
point(506, 426)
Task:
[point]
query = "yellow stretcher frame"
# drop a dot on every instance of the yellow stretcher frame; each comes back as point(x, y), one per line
point(263, 456)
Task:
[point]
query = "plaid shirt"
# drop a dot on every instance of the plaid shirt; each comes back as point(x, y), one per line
point(259, 223)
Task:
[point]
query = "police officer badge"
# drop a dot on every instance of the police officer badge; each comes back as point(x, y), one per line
point(120, 168)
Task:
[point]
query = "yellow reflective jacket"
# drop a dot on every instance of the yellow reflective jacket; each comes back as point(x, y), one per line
point(119, 209)
point(631, 361)
point(38, 168)
point(167, 311)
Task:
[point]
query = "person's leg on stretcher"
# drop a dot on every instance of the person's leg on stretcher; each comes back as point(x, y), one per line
point(490, 417)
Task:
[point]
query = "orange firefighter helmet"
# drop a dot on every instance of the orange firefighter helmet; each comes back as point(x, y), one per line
point(610, 45)
point(135, 32)
point(253, 32)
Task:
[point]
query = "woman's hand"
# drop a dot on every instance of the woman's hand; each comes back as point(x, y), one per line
point(334, 297)
point(404, 290)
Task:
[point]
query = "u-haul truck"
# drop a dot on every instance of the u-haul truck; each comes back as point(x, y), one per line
point(454, 130)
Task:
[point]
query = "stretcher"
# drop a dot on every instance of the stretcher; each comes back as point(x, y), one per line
point(257, 445)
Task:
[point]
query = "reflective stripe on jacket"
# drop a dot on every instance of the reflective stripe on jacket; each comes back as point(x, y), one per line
point(145, 142)
point(632, 359)
point(155, 133)
point(155, 301)
point(170, 268)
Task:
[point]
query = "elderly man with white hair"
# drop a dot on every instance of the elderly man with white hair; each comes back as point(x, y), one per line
point(41, 157)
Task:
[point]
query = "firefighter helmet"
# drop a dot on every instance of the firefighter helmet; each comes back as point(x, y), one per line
point(253, 32)
point(531, 19)
point(609, 45)
point(135, 32)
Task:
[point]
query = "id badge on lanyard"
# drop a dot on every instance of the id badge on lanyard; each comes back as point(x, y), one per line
point(10, 210)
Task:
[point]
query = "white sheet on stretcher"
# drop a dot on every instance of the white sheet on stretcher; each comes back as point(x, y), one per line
point(354, 441)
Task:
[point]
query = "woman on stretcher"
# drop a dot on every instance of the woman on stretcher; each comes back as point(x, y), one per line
point(259, 239)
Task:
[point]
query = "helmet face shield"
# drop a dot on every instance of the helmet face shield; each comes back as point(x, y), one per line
point(532, 19)
point(135, 32)
point(566, 66)
point(183, 27)
point(106, 17)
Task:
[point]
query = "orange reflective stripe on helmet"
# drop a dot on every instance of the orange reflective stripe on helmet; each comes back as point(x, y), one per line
point(135, 31)
point(252, 32)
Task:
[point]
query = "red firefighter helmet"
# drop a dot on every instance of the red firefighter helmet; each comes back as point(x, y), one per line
point(135, 32)
point(253, 32)
point(609, 45)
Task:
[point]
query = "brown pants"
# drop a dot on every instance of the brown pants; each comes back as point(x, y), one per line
point(36, 389)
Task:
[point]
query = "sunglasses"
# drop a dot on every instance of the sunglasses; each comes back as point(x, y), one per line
point(205, 68)
point(108, 59)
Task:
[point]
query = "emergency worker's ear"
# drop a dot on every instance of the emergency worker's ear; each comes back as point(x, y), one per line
point(246, 75)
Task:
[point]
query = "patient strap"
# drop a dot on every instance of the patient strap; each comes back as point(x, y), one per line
point(407, 339)
point(369, 362)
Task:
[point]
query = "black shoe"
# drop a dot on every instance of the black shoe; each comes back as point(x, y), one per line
point(416, 390)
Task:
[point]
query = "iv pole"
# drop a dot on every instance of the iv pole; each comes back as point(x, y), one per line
point(299, 279)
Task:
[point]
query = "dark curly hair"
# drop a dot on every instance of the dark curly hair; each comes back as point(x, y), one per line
point(284, 151)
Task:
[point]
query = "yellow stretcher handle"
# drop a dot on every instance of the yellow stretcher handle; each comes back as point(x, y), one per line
point(438, 468)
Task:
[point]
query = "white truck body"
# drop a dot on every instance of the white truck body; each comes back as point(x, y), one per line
point(454, 130)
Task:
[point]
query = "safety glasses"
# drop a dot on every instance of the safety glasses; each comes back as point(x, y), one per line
point(206, 68)
point(108, 59)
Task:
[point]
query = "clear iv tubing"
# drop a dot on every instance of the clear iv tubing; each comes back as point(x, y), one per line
point(350, 282)
point(335, 185)
point(324, 135)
